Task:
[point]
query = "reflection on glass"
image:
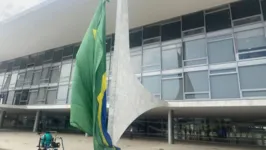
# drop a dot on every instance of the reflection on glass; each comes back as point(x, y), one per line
point(152, 83)
point(51, 96)
point(251, 40)
point(2, 76)
point(45, 75)
point(172, 89)
point(224, 86)
point(7, 81)
point(20, 80)
point(41, 96)
point(33, 97)
point(55, 75)
point(69, 95)
point(28, 78)
point(13, 80)
point(196, 81)
point(252, 77)
point(62, 92)
point(36, 77)
point(10, 97)
point(254, 93)
point(195, 49)
point(65, 72)
point(221, 51)
point(197, 96)
point(171, 59)
point(151, 59)
point(136, 63)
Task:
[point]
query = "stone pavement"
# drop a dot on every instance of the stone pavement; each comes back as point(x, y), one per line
point(29, 141)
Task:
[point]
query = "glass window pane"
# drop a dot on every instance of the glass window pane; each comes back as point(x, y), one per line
point(55, 75)
point(253, 55)
point(197, 96)
point(171, 31)
point(41, 95)
point(10, 97)
point(2, 77)
point(68, 52)
point(218, 20)
point(243, 9)
point(254, 93)
point(136, 63)
point(135, 38)
point(62, 92)
point(221, 51)
point(172, 89)
point(151, 59)
point(194, 20)
point(76, 48)
point(20, 79)
point(224, 86)
point(57, 56)
point(7, 81)
point(195, 62)
point(3, 97)
point(33, 97)
point(38, 59)
point(195, 49)
point(48, 56)
point(45, 75)
point(24, 97)
point(152, 83)
point(37, 77)
point(172, 59)
point(252, 77)
point(51, 96)
point(251, 40)
point(151, 31)
point(28, 78)
point(196, 81)
point(13, 80)
point(65, 72)
point(17, 97)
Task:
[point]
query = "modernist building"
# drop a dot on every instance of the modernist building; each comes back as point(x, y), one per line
point(206, 59)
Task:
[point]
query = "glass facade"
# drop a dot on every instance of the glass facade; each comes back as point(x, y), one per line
point(218, 53)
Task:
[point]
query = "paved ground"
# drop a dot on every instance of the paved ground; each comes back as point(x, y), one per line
point(28, 141)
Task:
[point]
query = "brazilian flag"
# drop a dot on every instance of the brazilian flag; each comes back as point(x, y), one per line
point(88, 105)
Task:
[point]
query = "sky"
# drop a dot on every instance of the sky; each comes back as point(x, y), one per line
point(9, 8)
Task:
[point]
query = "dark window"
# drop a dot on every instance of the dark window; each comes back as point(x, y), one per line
point(108, 44)
point(68, 52)
point(151, 32)
point(16, 63)
point(263, 5)
point(135, 38)
point(38, 59)
point(23, 62)
point(192, 21)
point(30, 61)
point(48, 56)
point(9, 65)
point(3, 66)
point(245, 8)
point(76, 48)
point(217, 21)
point(57, 56)
point(171, 31)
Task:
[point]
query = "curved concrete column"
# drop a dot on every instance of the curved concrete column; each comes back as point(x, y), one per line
point(128, 98)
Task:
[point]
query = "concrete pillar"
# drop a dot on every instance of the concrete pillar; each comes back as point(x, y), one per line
point(170, 127)
point(2, 117)
point(36, 122)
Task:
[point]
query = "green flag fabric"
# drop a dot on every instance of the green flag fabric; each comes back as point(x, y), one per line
point(88, 99)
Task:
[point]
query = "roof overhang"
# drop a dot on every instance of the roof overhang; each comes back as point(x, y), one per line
point(61, 22)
